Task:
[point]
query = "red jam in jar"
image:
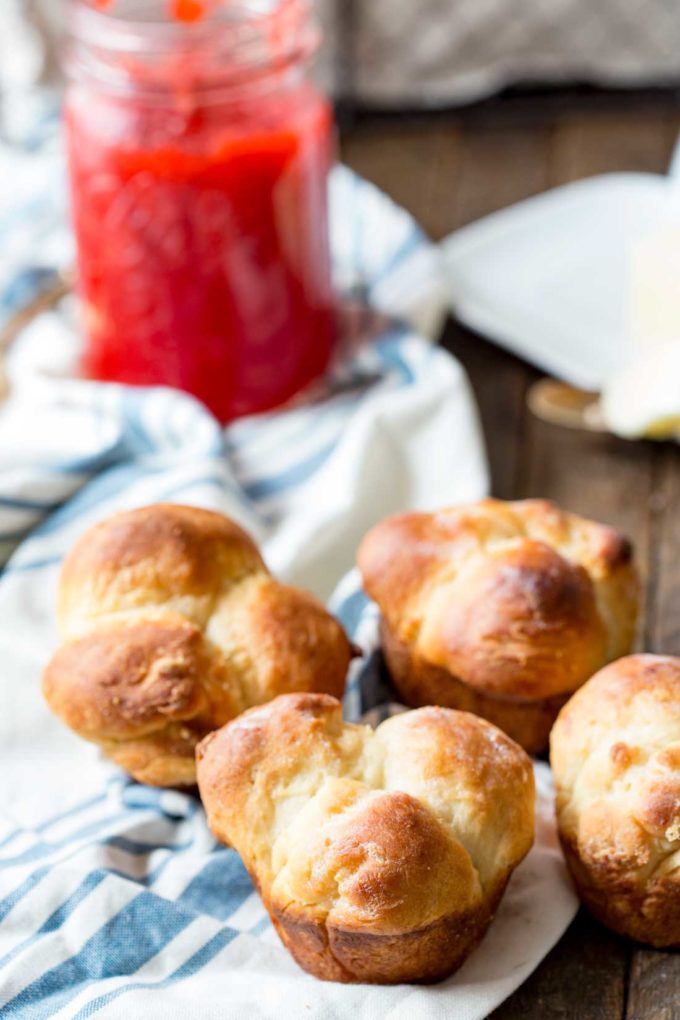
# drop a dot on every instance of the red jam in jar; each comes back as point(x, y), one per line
point(199, 154)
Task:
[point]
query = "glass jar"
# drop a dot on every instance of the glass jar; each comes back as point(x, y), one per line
point(199, 156)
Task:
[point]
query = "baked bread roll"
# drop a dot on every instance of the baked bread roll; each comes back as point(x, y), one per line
point(381, 855)
point(615, 754)
point(502, 609)
point(172, 625)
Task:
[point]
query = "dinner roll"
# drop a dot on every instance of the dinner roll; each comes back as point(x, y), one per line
point(502, 609)
point(172, 625)
point(615, 754)
point(381, 855)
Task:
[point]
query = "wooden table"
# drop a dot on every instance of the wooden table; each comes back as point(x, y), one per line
point(448, 171)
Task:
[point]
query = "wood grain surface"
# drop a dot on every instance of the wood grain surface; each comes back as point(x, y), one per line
point(447, 172)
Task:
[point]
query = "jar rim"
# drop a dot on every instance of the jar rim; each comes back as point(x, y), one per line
point(253, 34)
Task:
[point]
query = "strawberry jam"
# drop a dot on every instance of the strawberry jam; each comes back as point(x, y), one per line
point(199, 155)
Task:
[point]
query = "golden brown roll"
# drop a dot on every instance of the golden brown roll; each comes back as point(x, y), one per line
point(615, 754)
point(502, 609)
point(381, 855)
point(172, 625)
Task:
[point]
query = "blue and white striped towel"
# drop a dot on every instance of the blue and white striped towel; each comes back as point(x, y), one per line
point(114, 899)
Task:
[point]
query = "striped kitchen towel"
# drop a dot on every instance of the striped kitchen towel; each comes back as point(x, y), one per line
point(114, 899)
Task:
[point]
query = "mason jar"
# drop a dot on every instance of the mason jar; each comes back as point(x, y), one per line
point(199, 150)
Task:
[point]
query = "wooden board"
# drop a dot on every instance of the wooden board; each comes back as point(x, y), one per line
point(447, 174)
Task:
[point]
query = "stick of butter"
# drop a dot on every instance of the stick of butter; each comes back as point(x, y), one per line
point(643, 399)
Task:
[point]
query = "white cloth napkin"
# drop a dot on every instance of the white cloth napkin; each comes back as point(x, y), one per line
point(114, 899)
point(582, 281)
point(122, 905)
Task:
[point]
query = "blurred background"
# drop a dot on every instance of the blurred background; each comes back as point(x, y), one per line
point(397, 54)
point(455, 109)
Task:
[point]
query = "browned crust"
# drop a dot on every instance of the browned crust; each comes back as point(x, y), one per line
point(615, 688)
point(159, 549)
point(423, 955)
point(399, 552)
point(615, 755)
point(299, 646)
point(521, 621)
point(364, 881)
point(174, 626)
point(520, 601)
point(608, 549)
point(647, 910)
point(140, 691)
point(127, 679)
point(419, 683)
point(165, 759)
